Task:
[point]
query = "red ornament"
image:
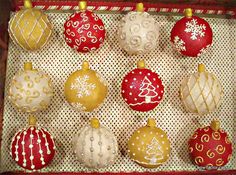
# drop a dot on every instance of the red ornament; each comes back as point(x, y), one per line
point(84, 30)
point(210, 146)
point(142, 89)
point(191, 35)
point(32, 148)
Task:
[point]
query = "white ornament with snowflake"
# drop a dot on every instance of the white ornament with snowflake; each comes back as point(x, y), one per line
point(82, 86)
point(195, 29)
point(179, 44)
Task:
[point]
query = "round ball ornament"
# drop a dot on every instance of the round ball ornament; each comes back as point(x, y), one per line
point(201, 92)
point(210, 146)
point(191, 36)
point(30, 28)
point(30, 90)
point(85, 89)
point(142, 89)
point(138, 32)
point(95, 146)
point(84, 31)
point(149, 146)
point(33, 147)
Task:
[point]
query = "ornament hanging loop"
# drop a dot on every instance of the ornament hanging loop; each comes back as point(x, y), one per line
point(139, 7)
point(28, 4)
point(82, 5)
point(141, 64)
point(85, 65)
point(151, 122)
point(28, 66)
point(32, 120)
point(215, 125)
point(188, 12)
point(94, 122)
point(201, 68)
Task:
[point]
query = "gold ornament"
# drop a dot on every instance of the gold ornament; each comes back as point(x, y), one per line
point(30, 28)
point(149, 146)
point(30, 90)
point(85, 89)
point(201, 92)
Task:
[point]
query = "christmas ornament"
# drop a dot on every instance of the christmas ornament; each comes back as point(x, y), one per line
point(210, 146)
point(191, 36)
point(33, 147)
point(149, 146)
point(85, 89)
point(95, 146)
point(138, 32)
point(142, 89)
point(30, 90)
point(84, 31)
point(201, 92)
point(30, 28)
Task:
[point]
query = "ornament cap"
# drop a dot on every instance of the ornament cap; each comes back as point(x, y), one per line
point(141, 64)
point(28, 4)
point(215, 125)
point(28, 66)
point(151, 122)
point(32, 120)
point(188, 12)
point(139, 7)
point(82, 5)
point(201, 68)
point(94, 122)
point(85, 65)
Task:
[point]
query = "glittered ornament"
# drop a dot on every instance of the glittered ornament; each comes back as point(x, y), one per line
point(30, 28)
point(201, 92)
point(30, 90)
point(191, 36)
point(84, 31)
point(95, 146)
point(210, 146)
point(33, 147)
point(149, 146)
point(142, 89)
point(138, 32)
point(85, 89)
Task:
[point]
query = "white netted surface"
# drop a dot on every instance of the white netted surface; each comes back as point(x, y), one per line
point(58, 60)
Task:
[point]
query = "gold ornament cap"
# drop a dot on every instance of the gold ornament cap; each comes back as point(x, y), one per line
point(94, 123)
point(215, 125)
point(82, 5)
point(151, 122)
point(188, 12)
point(28, 66)
point(85, 65)
point(201, 68)
point(28, 4)
point(139, 7)
point(32, 120)
point(141, 64)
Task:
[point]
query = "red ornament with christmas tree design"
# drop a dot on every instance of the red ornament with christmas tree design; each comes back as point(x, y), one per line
point(191, 36)
point(210, 146)
point(142, 89)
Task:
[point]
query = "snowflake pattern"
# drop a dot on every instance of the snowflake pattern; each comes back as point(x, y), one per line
point(179, 44)
point(195, 29)
point(204, 50)
point(82, 86)
point(78, 106)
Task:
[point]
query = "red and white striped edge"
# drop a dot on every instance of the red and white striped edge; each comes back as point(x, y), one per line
point(129, 6)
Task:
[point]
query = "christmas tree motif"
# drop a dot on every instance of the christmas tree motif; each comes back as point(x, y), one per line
point(154, 152)
point(147, 90)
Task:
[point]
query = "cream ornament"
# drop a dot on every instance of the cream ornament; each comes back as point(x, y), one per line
point(149, 146)
point(85, 89)
point(138, 32)
point(30, 28)
point(201, 92)
point(95, 146)
point(30, 90)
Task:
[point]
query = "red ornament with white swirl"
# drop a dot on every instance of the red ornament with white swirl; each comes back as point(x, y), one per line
point(33, 147)
point(84, 31)
point(191, 36)
point(210, 146)
point(142, 89)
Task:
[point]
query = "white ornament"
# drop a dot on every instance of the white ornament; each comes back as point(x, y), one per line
point(201, 92)
point(30, 90)
point(95, 146)
point(195, 29)
point(138, 33)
